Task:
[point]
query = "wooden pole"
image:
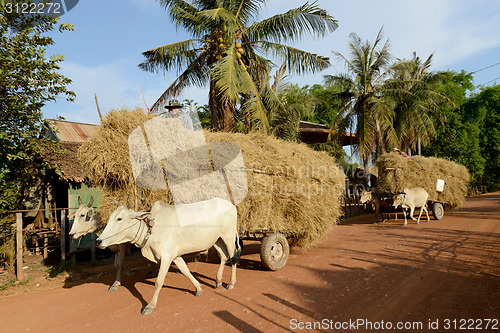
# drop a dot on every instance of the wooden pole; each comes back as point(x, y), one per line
point(19, 246)
point(45, 246)
point(96, 103)
point(145, 101)
point(63, 235)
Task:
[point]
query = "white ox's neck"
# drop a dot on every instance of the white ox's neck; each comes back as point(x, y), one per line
point(141, 235)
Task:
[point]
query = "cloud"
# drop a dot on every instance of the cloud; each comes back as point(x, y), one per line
point(116, 84)
point(455, 30)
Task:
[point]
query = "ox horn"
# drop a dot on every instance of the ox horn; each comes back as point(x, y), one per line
point(80, 201)
point(116, 203)
point(91, 201)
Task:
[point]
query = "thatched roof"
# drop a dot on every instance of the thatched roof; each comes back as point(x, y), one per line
point(65, 160)
point(70, 136)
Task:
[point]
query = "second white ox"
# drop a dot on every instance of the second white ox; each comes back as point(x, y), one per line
point(163, 237)
point(87, 220)
point(412, 198)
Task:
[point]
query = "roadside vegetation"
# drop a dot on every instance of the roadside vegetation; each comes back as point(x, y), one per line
point(389, 101)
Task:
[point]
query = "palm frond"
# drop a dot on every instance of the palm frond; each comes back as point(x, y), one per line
point(298, 61)
point(166, 57)
point(306, 20)
point(218, 15)
point(227, 74)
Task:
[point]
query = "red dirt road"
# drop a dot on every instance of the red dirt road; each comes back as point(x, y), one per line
point(432, 277)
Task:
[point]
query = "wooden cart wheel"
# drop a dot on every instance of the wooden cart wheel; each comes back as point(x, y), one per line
point(274, 251)
point(437, 210)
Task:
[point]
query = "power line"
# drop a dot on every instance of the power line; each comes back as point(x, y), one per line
point(492, 80)
point(482, 69)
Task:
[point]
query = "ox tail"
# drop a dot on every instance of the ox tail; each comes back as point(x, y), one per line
point(235, 259)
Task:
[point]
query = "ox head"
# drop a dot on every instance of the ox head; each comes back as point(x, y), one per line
point(398, 199)
point(86, 220)
point(365, 197)
point(123, 226)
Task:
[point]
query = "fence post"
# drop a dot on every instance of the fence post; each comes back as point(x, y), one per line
point(19, 246)
point(45, 246)
point(63, 235)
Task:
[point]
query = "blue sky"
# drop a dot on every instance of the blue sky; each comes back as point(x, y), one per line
point(103, 52)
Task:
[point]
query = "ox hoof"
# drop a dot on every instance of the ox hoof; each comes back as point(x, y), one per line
point(114, 286)
point(218, 285)
point(229, 286)
point(198, 292)
point(147, 310)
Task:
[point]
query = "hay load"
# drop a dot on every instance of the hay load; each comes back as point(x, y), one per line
point(397, 172)
point(292, 189)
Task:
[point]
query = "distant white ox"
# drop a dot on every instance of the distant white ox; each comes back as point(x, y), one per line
point(87, 220)
point(163, 238)
point(376, 200)
point(412, 198)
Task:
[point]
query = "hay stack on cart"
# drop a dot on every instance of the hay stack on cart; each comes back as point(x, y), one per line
point(293, 191)
point(397, 171)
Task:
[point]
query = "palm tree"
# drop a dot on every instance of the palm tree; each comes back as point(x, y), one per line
point(415, 102)
point(295, 104)
point(224, 53)
point(363, 105)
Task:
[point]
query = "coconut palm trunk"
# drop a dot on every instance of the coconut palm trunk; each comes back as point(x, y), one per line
point(222, 114)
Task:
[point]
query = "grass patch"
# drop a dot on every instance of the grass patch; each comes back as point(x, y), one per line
point(9, 283)
point(25, 281)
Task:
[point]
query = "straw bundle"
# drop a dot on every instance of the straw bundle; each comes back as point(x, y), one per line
point(291, 188)
point(397, 172)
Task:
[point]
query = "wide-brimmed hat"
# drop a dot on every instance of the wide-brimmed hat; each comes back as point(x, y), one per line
point(173, 103)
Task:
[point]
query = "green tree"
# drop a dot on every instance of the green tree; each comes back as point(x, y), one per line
point(327, 100)
point(411, 91)
point(458, 138)
point(225, 53)
point(28, 80)
point(362, 105)
point(484, 110)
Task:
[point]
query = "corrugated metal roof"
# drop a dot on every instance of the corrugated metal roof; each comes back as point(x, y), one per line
point(68, 131)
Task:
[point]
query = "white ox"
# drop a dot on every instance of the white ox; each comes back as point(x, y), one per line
point(87, 220)
point(412, 198)
point(163, 237)
point(376, 200)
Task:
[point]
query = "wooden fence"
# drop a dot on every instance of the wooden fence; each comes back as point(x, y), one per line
point(352, 206)
point(60, 231)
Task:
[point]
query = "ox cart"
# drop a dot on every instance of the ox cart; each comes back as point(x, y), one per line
point(444, 181)
point(436, 207)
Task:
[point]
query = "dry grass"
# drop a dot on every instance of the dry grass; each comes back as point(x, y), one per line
point(291, 188)
point(397, 172)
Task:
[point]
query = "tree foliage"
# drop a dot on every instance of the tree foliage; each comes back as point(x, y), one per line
point(483, 110)
point(362, 103)
point(226, 53)
point(410, 90)
point(28, 80)
point(462, 137)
